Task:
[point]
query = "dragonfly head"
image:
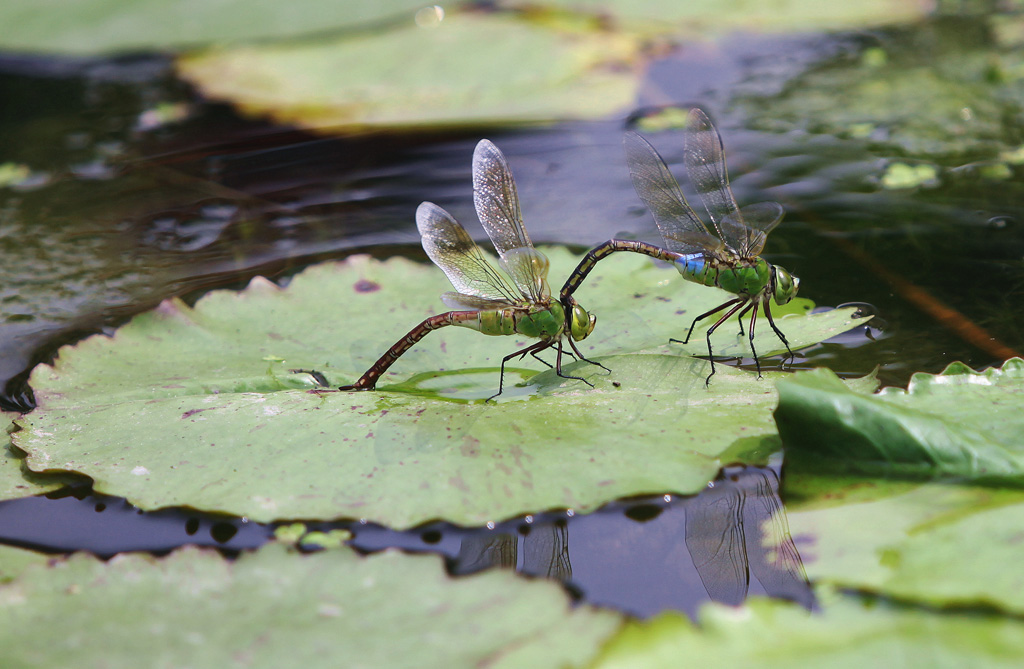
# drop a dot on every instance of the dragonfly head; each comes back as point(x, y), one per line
point(785, 285)
point(581, 323)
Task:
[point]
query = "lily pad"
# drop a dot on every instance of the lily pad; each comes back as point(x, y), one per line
point(88, 27)
point(942, 545)
point(196, 407)
point(850, 632)
point(717, 18)
point(959, 423)
point(15, 481)
point(13, 561)
point(467, 69)
point(273, 608)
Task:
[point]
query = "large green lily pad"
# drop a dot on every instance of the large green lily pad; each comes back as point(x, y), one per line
point(718, 17)
point(849, 632)
point(943, 545)
point(275, 609)
point(959, 423)
point(89, 27)
point(469, 69)
point(196, 407)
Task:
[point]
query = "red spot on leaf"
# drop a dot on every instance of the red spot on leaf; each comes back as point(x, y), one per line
point(364, 286)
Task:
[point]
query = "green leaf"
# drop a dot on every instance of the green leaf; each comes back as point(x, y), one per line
point(704, 19)
point(469, 69)
point(942, 545)
point(197, 408)
point(108, 26)
point(13, 561)
point(276, 609)
point(849, 632)
point(15, 480)
point(89, 27)
point(958, 423)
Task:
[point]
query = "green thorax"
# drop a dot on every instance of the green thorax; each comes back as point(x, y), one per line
point(539, 321)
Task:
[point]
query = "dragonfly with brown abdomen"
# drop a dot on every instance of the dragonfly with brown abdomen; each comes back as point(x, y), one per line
point(484, 299)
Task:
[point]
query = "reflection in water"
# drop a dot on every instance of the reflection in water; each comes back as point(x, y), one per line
point(645, 556)
point(537, 551)
point(640, 556)
point(737, 528)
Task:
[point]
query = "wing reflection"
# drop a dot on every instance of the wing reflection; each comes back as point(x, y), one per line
point(538, 551)
point(738, 528)
point(661, 552)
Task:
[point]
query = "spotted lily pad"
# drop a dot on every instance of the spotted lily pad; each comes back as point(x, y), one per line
point(196, 407)
point(943, 545)
point(273, 609)
point(15, 482)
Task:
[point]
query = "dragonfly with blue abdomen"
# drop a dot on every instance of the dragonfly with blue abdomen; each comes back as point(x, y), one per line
point(484, 300)
point(728, 258)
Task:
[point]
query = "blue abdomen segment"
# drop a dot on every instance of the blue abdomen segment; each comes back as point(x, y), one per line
point(695, 267)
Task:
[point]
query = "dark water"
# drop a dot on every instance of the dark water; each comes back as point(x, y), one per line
point(119, 214)
point(641, 556)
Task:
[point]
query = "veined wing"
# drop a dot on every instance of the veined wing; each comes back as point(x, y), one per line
point(704, 157)
point(752, 226)
point(654, 183)
point(716, 539)
point(497, 205)
point(454, 251)
point(461, 301)
point(774, 558)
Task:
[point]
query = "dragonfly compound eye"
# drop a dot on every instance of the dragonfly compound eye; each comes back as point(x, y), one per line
point(582, 323)
point(786, 285)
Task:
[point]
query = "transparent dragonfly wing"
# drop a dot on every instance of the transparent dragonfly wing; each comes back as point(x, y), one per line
point(463, 302)
point(654, 183)
point(704, 157)
point(452, 249)
point(497, 205)
point(752, 225)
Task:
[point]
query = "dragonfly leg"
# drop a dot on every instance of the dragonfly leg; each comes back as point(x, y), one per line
point(558, 367)
point(703, 316)
point(789, 352)
point(579, 355)
point(532, 349)
point(753, 351)
point(711, 330)
point(539, 359)
point(320, 379)
point(739, 317)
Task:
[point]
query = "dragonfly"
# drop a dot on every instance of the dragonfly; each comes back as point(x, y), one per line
point(485, 299)
point(728, 258)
